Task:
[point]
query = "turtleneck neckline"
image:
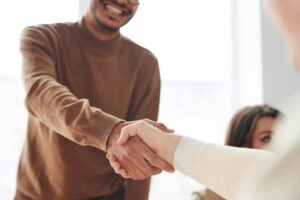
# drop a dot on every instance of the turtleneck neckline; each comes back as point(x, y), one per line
point(94, 44)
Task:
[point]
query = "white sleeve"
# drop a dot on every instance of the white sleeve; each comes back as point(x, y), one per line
point(221, 168)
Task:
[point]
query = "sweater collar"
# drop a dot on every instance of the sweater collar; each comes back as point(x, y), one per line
point(94, 44)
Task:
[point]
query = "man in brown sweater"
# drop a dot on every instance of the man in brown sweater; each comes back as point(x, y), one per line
point(82, 81)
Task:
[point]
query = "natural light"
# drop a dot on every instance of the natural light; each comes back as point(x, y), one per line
point(195, 45)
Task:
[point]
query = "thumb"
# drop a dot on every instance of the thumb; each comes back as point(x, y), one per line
point(168, 130)
point(126, 133)
point(159, 125)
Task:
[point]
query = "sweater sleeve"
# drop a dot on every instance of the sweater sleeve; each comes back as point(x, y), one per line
point(225, 170)
point(52, 103)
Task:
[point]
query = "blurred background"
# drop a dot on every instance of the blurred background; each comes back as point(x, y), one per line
point(215, 57)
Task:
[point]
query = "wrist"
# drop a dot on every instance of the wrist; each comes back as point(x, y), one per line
point(169, 148)
point(114, 135)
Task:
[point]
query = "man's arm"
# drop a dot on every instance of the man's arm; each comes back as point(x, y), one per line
point(52, 103)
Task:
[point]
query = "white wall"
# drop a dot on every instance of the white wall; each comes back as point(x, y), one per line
point(83, 5)
point(279, 77)
point(246, 67)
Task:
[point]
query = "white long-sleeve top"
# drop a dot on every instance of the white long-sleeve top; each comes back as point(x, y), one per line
point(248, 174)
point(220, 168)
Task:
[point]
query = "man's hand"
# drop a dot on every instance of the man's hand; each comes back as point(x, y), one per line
point(135, 157)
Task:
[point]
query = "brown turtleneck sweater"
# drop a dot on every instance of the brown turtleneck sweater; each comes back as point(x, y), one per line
point(77, 89)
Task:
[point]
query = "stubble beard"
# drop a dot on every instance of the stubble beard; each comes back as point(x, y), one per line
point(109, 28)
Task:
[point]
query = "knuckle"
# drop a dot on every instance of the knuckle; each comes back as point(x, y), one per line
point(126, 128)
point(156, 170)
point(151, 172)
point(162, 126)
point(146, 120)
point(134, 177)
point(154, 159)
point(148, 172)
point(141, 123)
point(151, 158)
point(131, 151)
point(124, 156)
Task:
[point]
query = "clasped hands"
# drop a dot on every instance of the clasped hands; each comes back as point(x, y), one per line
point(136, 157)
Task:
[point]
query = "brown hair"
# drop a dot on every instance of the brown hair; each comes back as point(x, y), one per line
point(242, 125)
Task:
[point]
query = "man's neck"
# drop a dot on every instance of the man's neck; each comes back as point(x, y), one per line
point(100, 33)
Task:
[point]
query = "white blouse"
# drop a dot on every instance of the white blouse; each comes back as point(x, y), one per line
point(220, 168)
point(247, 174)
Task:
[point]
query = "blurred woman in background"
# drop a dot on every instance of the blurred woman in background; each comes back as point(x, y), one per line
point(250, 127)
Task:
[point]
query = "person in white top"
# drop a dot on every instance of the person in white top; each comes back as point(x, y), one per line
point(250, 127)
point(246, 174)
point(215, 166)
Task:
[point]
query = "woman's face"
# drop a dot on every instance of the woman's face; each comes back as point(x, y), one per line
point(263, 132)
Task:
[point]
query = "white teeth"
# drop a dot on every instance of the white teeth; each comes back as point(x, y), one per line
point(113, 10)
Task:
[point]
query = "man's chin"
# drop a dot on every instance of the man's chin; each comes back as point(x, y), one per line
point(108, 27)
point(113, 26)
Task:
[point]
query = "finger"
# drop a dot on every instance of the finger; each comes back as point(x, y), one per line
point(113, 158)
point(169, 131)
point(130, 171)
point(160, 126)
point(147, 168)
point(120, 171)
point(158, 162)
point(124, 136)
point(155, 170)
point(142, 157)
point(135, 175)
point(132, 168)
point(143, 168)
point(132, 159)
point(126, 133)
point(124, 161)
point(115, 165)
point(126, 174)
point(123, 173)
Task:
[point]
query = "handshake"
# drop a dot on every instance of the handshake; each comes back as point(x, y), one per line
point(140, 149)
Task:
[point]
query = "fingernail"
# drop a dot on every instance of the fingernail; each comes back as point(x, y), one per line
point(171, 169)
